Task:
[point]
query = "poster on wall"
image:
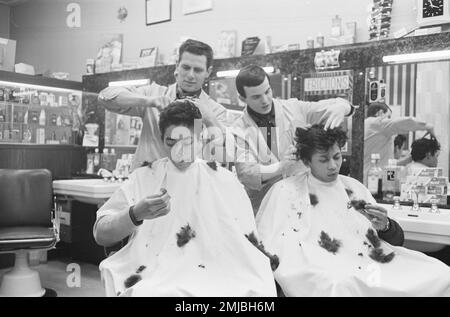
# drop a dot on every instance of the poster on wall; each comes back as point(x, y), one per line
point(109, 53)
point(226, 47)
point(7, 54)
point(195, 6)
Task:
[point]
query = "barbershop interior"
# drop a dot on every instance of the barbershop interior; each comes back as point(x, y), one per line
point(212, 148)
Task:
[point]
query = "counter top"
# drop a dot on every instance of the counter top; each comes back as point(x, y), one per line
point(423, 226)
point(91, 191)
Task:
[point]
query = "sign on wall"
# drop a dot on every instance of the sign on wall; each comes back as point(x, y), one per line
point(328, 83)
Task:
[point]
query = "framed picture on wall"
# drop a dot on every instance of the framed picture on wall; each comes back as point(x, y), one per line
point(194, 6)
point(158, 11)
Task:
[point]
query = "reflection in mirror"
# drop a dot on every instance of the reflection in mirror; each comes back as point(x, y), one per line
point(327, 85)
point(405, 104)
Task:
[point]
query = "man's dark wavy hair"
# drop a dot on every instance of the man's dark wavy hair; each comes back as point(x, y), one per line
point(178, 113)
point(373, 108)
point(315, 138)
point(197, 48)
point(420, 148)
point(399, 140)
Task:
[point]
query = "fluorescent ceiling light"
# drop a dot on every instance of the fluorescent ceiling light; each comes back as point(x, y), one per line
point(138, 82)
point(235, 72)
point(37, 87)
point(417, 57)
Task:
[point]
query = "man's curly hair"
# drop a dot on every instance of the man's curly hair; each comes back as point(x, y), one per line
point(315, 138)
point(179, 113)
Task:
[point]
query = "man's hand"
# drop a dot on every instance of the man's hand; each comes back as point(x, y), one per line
point(208, 117)
point(152, 207)
point(377, 216)
point(430, 129)
point(335, 114)
point(158, 102)
point(289, 163)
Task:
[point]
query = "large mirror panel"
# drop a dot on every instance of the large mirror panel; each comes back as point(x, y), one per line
point(418, 100)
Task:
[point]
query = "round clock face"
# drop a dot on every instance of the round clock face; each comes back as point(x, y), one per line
point(433, 8)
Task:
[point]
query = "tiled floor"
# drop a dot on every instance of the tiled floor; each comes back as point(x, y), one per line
point(59, 276)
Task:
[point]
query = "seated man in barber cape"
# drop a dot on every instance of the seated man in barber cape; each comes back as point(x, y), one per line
point(191, 224)
point(265, 132)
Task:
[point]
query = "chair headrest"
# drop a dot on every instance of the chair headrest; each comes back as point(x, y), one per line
point(26, 197)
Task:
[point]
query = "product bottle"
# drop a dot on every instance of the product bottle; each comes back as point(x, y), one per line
point(320, 40)
point(112, 160)
point(90, 164)
point(35, 99)
point(59, 121)
point(43, 97)
point(375, 177)
point(25, 117)
point(96, 160)
point(64, 138)
point(105, 158)
point(336, 26)
point(42, 117)
point(382, 90)
point(27, 136)
point(51, 100)
point(310, 42)
point(391, 180)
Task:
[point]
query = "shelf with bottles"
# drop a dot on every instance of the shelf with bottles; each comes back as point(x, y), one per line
point(11, 94)
point(34, 134)
point(37, 110)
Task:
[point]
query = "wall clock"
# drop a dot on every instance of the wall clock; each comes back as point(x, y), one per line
point(433, 12)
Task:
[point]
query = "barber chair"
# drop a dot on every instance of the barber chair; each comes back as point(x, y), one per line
point(26, 224)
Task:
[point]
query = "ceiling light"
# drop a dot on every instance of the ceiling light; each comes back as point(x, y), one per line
point(137, 82)
point(417, 57)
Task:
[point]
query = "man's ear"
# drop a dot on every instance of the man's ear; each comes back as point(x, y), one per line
point(242, 99)
point(210, 68)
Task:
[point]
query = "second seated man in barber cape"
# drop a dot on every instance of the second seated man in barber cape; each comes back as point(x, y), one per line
point(265, 132)
point(193, 68)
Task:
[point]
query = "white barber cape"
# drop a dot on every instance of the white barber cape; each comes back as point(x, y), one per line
point(218, 261)
point(324, 251)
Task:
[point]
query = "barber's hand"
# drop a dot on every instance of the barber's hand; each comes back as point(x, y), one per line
point(377, 216)
point(152, 207)
point(335, 114)
point(289, 162)
point(208, 117)
point(430, 130)
point(159, 102)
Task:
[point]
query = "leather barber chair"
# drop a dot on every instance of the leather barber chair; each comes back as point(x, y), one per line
point(26, 224)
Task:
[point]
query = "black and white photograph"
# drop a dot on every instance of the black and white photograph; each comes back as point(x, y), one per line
point(236, 152)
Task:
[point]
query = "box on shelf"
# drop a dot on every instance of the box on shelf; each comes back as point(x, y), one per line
point(427, 184)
